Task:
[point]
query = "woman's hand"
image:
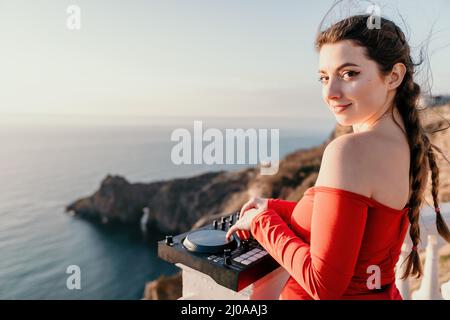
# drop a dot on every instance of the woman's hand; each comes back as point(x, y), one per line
point(243, 224)
point(248, 212)
point(254, 202)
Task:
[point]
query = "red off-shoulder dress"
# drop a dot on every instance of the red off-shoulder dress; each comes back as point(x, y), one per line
point(331, 242)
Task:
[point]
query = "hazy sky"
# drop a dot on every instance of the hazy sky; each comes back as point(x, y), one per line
point(180, 57)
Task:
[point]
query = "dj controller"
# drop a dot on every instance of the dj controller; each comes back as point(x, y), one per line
point(232, 263)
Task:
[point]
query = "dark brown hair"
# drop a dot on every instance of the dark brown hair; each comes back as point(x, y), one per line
point(388, 46)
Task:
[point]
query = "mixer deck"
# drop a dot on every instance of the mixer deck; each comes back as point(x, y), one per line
point(233, 263)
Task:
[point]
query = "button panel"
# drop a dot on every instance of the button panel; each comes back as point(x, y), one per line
point(251, 256)
point(245, 258)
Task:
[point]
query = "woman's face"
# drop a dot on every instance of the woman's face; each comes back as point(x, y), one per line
point(353, 87)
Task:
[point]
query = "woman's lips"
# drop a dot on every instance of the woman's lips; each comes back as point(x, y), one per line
point(341, 108)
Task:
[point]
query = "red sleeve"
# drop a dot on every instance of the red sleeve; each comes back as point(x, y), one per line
point(325, 267)
point(282, 207)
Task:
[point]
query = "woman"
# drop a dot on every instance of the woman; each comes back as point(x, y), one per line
point(342, 240)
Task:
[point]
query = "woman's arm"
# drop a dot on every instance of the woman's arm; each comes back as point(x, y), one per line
point(282, 207)
point(324, 267)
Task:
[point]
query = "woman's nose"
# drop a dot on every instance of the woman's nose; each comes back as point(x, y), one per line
point(333, 90)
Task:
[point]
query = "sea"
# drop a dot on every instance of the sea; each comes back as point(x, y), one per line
point(46, 166)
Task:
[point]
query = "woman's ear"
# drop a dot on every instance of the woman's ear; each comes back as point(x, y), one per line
point(395, 78)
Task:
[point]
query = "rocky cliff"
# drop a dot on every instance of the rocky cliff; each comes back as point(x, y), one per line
point(177, 205)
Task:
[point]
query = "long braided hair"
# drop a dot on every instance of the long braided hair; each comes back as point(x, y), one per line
point(388, 46)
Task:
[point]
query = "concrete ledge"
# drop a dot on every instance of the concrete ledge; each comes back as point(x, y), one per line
point(199, 286)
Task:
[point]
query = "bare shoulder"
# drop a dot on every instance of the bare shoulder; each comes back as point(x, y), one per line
point(344, 165)
point(371, 164)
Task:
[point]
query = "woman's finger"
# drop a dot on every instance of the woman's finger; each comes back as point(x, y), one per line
point(240, 234)
point(249, 205)
point(245, 208)
point(231, 231)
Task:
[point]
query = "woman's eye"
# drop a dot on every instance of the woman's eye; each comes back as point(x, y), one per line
point(346, 76)
point(349, 74)
point(322, 79)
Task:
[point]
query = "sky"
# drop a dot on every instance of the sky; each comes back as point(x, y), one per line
point(181, 57)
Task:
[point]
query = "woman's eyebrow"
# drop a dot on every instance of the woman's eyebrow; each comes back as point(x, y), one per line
point(347, 64)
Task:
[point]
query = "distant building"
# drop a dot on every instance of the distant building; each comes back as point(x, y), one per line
point(434, 100)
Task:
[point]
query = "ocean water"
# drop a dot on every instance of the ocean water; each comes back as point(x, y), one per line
point(45, 167)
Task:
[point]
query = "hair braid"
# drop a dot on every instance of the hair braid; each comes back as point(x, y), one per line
point(406, 100)
point(441, 226)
